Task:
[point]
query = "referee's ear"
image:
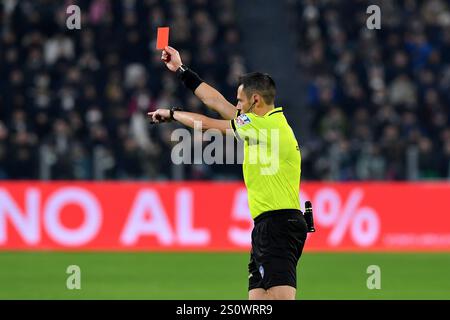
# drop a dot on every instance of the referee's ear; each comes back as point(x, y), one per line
point(255, 98)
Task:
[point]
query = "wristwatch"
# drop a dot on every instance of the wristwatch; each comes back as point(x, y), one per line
point(172, 110)
point(181, 70)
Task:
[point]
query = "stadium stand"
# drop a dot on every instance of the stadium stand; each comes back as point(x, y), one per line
point(73, 102)
point(380, 98)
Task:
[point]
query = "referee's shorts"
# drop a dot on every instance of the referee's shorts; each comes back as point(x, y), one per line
point(278, 238)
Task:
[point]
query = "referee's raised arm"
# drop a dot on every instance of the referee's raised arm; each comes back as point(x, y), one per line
point(212, 98)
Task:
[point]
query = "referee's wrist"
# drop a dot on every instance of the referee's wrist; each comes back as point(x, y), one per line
point(190, 79)
point(181, 70)
point(172, 111)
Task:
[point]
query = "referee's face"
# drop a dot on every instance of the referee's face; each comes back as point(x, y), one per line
point(243, 103)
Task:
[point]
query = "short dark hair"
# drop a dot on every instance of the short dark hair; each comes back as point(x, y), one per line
point(261, 83)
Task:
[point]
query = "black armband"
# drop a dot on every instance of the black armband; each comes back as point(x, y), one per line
point(190, 79)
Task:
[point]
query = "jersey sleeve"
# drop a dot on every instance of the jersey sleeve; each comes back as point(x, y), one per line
point(245, 126)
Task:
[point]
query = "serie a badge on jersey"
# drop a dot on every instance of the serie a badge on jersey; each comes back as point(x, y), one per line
point(242, 120)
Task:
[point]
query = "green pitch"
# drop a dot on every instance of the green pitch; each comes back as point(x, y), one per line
point(42, 275)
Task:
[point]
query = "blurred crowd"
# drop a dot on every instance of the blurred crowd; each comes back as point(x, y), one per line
point(379, 99)
point(73, 103)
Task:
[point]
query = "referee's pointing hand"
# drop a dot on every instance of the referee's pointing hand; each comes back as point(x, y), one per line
point(159, 115)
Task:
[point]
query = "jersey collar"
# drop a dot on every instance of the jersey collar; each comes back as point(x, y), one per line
point(275, 110)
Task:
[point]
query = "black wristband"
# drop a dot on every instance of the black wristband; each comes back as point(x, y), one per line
point(190, 79)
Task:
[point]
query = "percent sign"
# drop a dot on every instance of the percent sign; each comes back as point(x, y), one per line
point(363, 222)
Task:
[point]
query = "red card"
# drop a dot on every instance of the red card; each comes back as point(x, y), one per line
point(162, 39)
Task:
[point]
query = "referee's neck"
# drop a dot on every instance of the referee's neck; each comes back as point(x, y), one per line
point(263, 109)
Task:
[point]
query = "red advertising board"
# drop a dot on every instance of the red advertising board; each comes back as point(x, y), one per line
point(210, 216)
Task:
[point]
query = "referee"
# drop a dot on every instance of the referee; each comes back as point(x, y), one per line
point(280, 229)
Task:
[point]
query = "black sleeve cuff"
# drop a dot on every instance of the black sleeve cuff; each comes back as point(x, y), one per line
point(190, 79)
point(233, 126)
